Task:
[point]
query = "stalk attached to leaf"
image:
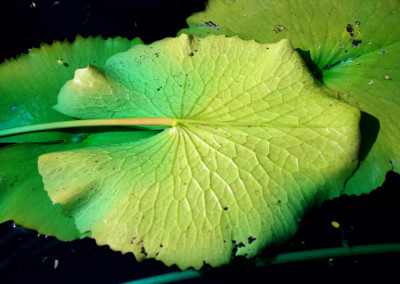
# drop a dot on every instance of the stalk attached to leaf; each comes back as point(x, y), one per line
point(254, 143)
point(139, 121)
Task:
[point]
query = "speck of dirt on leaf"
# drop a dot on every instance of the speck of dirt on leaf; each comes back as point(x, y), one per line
point(251, 239)
point(382, 52)
point(387, 77)
point(61, 62)
point(350, 30)
point(143, 251)
point(358, 22)
point(355, 42)
point(278, 28)
point(370, 82)
point(236, 246)
point(13, 108)
point(212, 26)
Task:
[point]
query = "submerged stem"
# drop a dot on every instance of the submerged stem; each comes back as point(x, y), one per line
point(280, 259)
point(139, 121)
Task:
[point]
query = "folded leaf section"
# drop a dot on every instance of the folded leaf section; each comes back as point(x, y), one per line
point(29, 84)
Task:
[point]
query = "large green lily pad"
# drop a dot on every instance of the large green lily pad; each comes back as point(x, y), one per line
point(253, 143)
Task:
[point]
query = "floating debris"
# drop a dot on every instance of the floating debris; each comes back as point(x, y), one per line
point(335, 224)
point(278, 28)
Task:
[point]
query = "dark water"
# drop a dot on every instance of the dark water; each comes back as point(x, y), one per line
point(26, 257)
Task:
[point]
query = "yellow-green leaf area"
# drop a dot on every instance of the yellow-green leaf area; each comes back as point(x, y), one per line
point(355, 44)
point(254, 143)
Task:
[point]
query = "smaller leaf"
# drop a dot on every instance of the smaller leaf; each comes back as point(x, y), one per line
point(29, 84)
point(22, 197)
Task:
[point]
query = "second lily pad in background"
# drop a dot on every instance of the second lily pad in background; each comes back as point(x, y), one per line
point(30, 83)
point(355, 43)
